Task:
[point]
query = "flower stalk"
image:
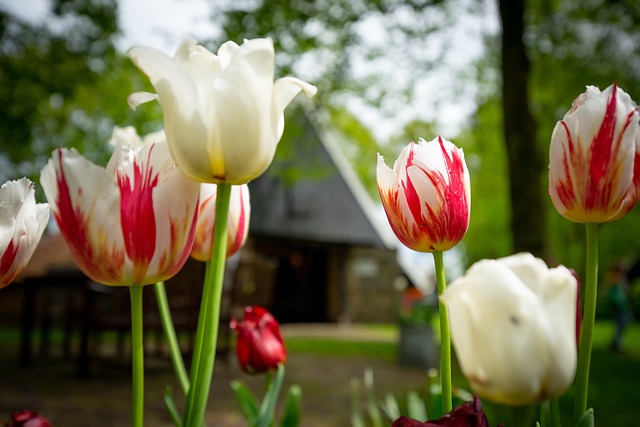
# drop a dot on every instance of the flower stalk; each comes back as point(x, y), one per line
point(137, 356)
point(170, 335)
point(209, 317)
point(588, 321)
point(445, 336)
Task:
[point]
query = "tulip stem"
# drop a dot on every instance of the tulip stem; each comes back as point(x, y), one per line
point(170, 335)
point(137, 355)
point(554, 406)
point(588, 320)
point(445, 337)
point(209, 318)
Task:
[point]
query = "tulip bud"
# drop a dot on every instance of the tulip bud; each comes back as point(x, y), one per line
point(27, 418)
point(259, 345)
point(426, 195)
point(594, 157)
point(513, 325)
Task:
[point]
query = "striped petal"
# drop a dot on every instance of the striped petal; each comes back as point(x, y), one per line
point(594, 167)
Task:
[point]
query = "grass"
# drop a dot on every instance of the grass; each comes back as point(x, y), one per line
point(342, 348)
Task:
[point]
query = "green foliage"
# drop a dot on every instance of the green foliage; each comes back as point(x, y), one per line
point(64, 85)
point(323, 41)
point(263, 414)
point(488, 235)
point(414, 406)
point(586, 420)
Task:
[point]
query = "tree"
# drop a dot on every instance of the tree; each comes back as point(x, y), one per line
point(64, 85)
point(526, 162)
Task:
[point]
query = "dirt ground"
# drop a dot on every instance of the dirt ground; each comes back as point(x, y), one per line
point(52, 387)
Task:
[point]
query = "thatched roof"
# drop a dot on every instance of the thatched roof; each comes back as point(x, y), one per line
point(312, 193)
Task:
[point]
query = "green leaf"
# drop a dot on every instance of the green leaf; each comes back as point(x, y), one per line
point(247, 401)
point(171, 406)
point(415, 407)
point(372, 406)
point(587, 419)
point(390, 407)
point(292, 414)
point(356, 413)
point(267, 409)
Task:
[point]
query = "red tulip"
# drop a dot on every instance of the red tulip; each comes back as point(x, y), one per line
point(27, 419)
point(469, 414)
point(237, 221)
point(594, 167)
point(427, 195)
point(22, 222)
point(260, 347)
point(132, 223)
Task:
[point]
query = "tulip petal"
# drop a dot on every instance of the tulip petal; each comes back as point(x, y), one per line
point(284, 90)
point(83, 200)
point(178, 96)
point(22, 223)
point(515, 343)
point(137, 98)
point(559, 302)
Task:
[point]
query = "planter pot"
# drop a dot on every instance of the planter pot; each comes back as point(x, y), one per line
point(417, 346)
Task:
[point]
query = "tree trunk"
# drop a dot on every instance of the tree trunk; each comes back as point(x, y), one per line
point(526, 162)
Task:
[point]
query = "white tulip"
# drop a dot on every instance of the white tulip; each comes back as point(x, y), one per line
point(513, 327)
point(223, 114)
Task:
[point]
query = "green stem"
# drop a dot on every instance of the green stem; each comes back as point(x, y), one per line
point(554, 406)
point(170, 335)
point(137, 355)
point(445, 338)
point(523, 416)
point(209, 318)
point(588, 320)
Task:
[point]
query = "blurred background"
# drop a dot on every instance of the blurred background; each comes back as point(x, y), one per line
point(492, 76)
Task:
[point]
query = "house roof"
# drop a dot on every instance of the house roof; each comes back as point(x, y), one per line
point(311, 192)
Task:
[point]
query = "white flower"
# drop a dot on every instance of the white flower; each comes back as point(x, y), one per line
point(224, 114)
point(513, 327)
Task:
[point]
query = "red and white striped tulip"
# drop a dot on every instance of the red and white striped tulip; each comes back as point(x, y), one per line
point(131, 223)
point(594, 167)
point(224, 114)
point(426, 195)
point(22, 222)
point(237, 221)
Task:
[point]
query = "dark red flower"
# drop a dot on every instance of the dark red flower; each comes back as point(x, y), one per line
point(469, 414)
point(260, 347)
point(27, 418)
